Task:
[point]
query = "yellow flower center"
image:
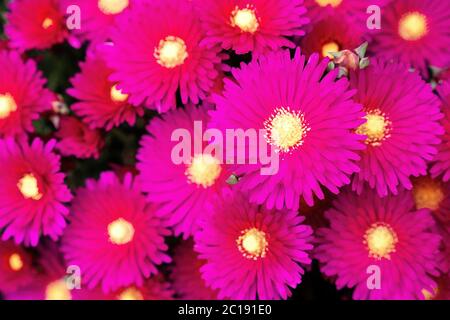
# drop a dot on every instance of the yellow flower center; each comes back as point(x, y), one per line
point(15, 262)
point(130, 294)
point(252, 243)
point(204, 170)
point(413, 26)
point(57, 290)
point(377, 128)
point(430, 295)
point(112, 6)
point(380, 240)
point(120, 231)
point(47, 23)
point(245, 19)
point(333, 3)
point(428, 194)
point(286, 129)
point(7, 105)
point(171, 52)
point(329, 47)
point(29, 188)
point(117, 95)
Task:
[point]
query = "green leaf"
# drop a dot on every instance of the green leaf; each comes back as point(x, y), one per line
point(364, 63)
point(232, 180)
point(362, 49)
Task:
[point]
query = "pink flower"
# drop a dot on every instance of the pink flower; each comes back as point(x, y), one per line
point(22, 95)
point(156, 52)
point(186, 277)
point(332, 35)
point(415, 32)
point(251, 252)
point(32, 191)
point(433, 194)
point(441, 291)
point(180, 190)
point(318, 148)
point(76, 139)
point(153, 289)
point(401, 128)
point(35, 24)
point(114, 236)
point(353, 9)
point(16, 269)
point(98, 17)
point(256, 26)
point(441, 164)
point(102, 103)
point(369, 235)
point(56, 280)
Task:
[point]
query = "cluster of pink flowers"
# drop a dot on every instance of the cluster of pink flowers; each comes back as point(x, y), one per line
point(358, 117)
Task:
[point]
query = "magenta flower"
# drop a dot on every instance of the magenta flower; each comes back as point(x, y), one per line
point(53, 282)
point(256, 25)
point(251, 252)
point(415, 32)
point(331, 35)
point(16, 268)
point(22, 95)
point(308, 118)
point(114, 236)
point(35, 24)
point(186, 277)
point(434, 194)
point(32, 192)
point(102, 103)
point(353, 9)
point(180, 191)
point(44, 287)
point(156, 52)
point(442, 290)
point(152, 289)
point(41, 289)
point(98, 17)
point(369, 233)
point(441, 164)
point(76, 139)
point(401, 128)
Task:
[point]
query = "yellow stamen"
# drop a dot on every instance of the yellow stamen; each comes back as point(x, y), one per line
point(428, 193)
point(112, 6)
point(252, 243)
point(120, 231)
point(380, 240)
point(7, 105)
point(204, 170)
point(57, 290)
point(329, 47)
point(15, 262)
point(29, 188)
point(47, 23)
point(117, 95)
point(413, 26)
point(333, 3)
point(286, 129)
point(245, 19)
point(430, 295)
point(171, 52)
point(130, 294)
point(377, 128)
